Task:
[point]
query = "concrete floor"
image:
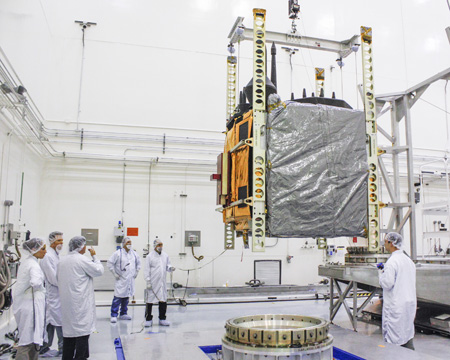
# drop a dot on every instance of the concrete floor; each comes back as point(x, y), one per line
point(200, 325)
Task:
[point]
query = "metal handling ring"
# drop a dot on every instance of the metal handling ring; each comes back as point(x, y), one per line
point(277, 330)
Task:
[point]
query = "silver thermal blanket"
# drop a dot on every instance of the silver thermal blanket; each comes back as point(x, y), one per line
point(317, 171)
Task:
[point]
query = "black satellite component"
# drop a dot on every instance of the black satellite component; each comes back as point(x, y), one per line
point(273, 74)
point(241, 109)
point(324, 101)
point(248, 89)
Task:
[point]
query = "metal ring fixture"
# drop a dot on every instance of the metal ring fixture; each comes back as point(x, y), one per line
point(278, 331)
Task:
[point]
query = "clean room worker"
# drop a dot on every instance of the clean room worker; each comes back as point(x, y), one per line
point(49, 265)
point(398, 280)
point(29, 300)
point(125, 265)
point(76, 289)
point(157, 264)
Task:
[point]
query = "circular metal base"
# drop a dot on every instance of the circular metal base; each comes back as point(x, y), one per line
point(235, 351)
point(277, 330)
point(271, 337)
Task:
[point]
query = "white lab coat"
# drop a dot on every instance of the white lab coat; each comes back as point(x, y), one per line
point(155, 271)
point(49, 265)
point(76, 289)
point(398, 280)
point(29, 301)
point(126, 265)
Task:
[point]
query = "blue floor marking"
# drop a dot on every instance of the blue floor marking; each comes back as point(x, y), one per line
point(119, 349)
point(338, 354)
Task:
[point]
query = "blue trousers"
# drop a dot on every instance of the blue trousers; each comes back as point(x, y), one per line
point(50, 334)
point(122, 302)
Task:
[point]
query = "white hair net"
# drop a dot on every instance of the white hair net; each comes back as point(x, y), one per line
point(55, 235)
point(125, 240)
point(77, 243)
point(395, 239)
point(156, 242)
point(33, 245)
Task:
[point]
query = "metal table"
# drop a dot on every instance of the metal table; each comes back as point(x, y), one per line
point(432, 285)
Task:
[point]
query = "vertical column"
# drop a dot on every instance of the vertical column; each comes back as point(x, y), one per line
point(355, 305)
point(373, 233)
point(259, 128)
point(331, 298)
point(320, 82)
point(231, 85)
point(398, 211)
point(410, 165)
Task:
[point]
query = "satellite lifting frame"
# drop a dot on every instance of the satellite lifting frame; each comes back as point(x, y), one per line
point(343, 48)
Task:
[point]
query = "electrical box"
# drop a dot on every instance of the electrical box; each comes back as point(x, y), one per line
point(119, 231)
point(336, 255)
point(91, 236)
point(192, 238)
point(9, 229)
point(18, 235)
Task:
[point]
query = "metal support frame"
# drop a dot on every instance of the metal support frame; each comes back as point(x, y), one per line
point(229, 236)
point(231, 85)
point(370, 108)
point(400, 104)
point(353, 312)
point(230, 108)
point(320, 80)
point(259, 129)
point(342, 48)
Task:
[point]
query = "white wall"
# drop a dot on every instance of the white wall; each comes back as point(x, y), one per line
point(158, 67)
point(85, 195)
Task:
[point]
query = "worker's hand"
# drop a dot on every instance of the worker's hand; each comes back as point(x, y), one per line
point(92, 251)
point(117, 276)
point(380, 266)
point(135, 275)
point(172, 269)
point(149, 285)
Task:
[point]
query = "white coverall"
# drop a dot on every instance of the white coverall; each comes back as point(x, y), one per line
point(49, 265)
point(76, 289)
point(155, 271)
point(126, 265)
point(398, 280)
point(29, 314)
